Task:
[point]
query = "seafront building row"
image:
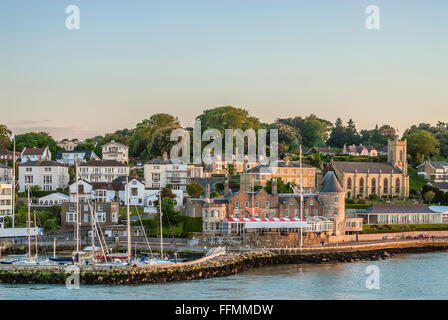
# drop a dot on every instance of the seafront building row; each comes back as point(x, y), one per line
point(102, 189)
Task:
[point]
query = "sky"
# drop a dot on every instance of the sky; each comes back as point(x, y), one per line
point(275, 58)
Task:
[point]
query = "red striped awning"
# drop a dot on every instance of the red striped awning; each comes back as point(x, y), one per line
point(264, 219)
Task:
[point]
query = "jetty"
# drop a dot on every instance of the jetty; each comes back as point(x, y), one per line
point(217, 265)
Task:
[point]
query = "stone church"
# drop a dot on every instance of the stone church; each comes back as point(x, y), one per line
point(361, 179)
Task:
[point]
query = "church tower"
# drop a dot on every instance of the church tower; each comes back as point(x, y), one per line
point(397, 154)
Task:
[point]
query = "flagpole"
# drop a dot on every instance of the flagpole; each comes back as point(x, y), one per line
point(301, 198)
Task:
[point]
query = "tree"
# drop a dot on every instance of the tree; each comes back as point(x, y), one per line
point(215, 194)
point(37, 140)
point(315, 131)
point(421, 143)
point(228, 117)
point(5, 136)
point(195, 190)
point(282, 187)
point(337, 136)
point(140, 141)
point(288, 137)
point(429, 196)
point(168, 212)
point(160, 142)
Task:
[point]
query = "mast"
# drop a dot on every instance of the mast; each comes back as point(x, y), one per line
point(161, 230)
point(301, 198)
point(77, 207)
point(35, 228)
point(29, 225)
point(128, 221)
point(13, 180)
point(92, 222)
point(253, 198)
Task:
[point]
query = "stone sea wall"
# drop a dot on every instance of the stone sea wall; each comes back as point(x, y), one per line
point(216, 266)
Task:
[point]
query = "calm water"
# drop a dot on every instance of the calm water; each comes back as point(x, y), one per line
point(419, 276)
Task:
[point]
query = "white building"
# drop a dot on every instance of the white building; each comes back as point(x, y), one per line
point(53, 199)
point(70, 157)
point(115, 151)
point(47, 175)
point(5, 200)
point(102, 170)
point(36, 154)
point(68, 145)
point(161, 172)
point(5, 174)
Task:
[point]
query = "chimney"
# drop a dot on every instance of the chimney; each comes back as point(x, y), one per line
point(207, 191)
point(226, 188)
point(165, 156)
point(274, 186)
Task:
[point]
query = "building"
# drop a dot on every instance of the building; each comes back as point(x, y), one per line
point(195, 172)
point(442, 186)
point(95, 191)
point(219, 166)
point(102, 170)
point(288, 171)
point(54, 199)
point(105, 213)
point(115, 151)
point(382, 151)
point(362, 179)
point(325, 208)
point(159, 173)
point(435, 171)
point(47, 175)
point(35, 154)
point(400, 214)
point(71, 157)
point(360, 150)
point(68, 145)
point(5, 174)
point(324, 150)
point(5, 199)
point(7, 155)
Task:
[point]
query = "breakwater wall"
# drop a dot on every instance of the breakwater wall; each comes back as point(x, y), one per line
point(214, 266)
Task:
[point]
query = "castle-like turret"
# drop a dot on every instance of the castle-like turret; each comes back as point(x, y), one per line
point(333, 198)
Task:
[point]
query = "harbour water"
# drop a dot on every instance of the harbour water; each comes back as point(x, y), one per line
point(416, 276)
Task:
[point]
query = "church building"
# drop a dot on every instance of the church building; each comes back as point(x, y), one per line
point(362, 179)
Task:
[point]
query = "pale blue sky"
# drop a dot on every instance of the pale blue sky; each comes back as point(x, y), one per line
point(276, 58)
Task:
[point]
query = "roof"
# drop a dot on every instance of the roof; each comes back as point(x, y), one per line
point(331, 184)
point(439, 164)
point(102, 185)
point(113, 142)
point(2, 166)
point(159, 161)
point(397, 208)
point(33, 151)
point(439, 185)
point(87, 153)
point(58, 194)
point(102, 163)
point(440, 209)
point(279, 164)
point(42, 164)
point(383, 149)
point(325, 150)
point(122, 179)
point(210, 201)
point(359, 149)
point(364, 167)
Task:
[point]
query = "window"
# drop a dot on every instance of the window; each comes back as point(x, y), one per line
point(69, 217)
point(307, 212)
point(373, 185)
point(266, 204)
point(100, 216)
point(246, 204)
point(397, 185)
point(349, 183)
point(296, 213)
point(291, 202)
point(287, 213)
point(86, 217)
point(257, 205)
point(237, 204)
point(315, 212)
point(385, 185)
point(336, 199)
point(311, 202)
point(100, 208)
point(134, 192)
